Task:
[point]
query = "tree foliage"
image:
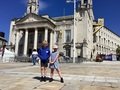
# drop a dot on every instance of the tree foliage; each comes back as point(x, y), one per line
point(118, 50)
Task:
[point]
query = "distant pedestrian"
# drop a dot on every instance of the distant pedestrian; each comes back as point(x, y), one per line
point(44, 54)
point(54, 64)
point(34, 56)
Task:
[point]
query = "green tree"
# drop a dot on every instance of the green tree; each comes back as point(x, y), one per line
point(118, 52)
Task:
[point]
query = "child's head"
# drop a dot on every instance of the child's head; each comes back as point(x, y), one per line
point(34, 50)
point(55, 47)
point(44, 43)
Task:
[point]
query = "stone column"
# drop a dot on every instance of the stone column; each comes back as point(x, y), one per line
point(26, 42)
point(55, 37)
point(51, 40)
point(46, 34)
point(35, 38)
point(16, 42)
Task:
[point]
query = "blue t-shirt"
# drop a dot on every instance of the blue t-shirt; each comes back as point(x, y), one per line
point(44, 53)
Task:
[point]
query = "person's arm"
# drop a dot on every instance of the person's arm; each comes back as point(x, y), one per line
point(50, 60)
point(39, 54)
point(57, 56)
point(48, 56)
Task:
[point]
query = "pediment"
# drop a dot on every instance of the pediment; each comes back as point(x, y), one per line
point(33, 19)
point(30, 18)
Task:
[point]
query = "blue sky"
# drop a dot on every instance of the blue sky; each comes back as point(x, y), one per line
point(108, 9)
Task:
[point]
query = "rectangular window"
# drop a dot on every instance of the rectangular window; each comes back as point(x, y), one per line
point(67, 36)
point(94, 38)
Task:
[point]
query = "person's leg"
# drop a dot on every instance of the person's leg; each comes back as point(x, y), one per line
point(45, 70)
point(59, 73)
point(33, 61)
point(42, 71)
point(51, 74)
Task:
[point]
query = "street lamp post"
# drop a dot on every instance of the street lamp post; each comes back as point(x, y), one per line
point(74, 48)
point(74, 30)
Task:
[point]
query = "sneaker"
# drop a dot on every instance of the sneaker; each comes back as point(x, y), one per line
point(44, 79)
point(61, 80)
point(51, 79)
point(41, 79)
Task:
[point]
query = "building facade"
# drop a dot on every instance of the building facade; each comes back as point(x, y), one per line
point(28, 32)
point(105, 40)
point(3, 41)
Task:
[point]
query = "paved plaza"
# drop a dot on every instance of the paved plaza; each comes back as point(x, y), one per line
point(83, 76)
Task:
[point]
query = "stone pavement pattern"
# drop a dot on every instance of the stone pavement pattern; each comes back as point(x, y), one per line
point(82, 76)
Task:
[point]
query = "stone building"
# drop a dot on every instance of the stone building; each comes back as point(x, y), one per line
point(3, 41)
point(105, 40)
point(28, 32)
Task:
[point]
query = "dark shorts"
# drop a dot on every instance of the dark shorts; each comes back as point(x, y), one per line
point(44, 63)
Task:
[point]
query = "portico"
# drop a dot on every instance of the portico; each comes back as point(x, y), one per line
point(30, 32)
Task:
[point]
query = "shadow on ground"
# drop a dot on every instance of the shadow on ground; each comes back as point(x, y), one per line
point(47, 79)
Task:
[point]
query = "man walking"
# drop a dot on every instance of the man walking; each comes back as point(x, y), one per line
point(44, 54)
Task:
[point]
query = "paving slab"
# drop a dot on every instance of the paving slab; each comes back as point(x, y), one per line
point(82, 76)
